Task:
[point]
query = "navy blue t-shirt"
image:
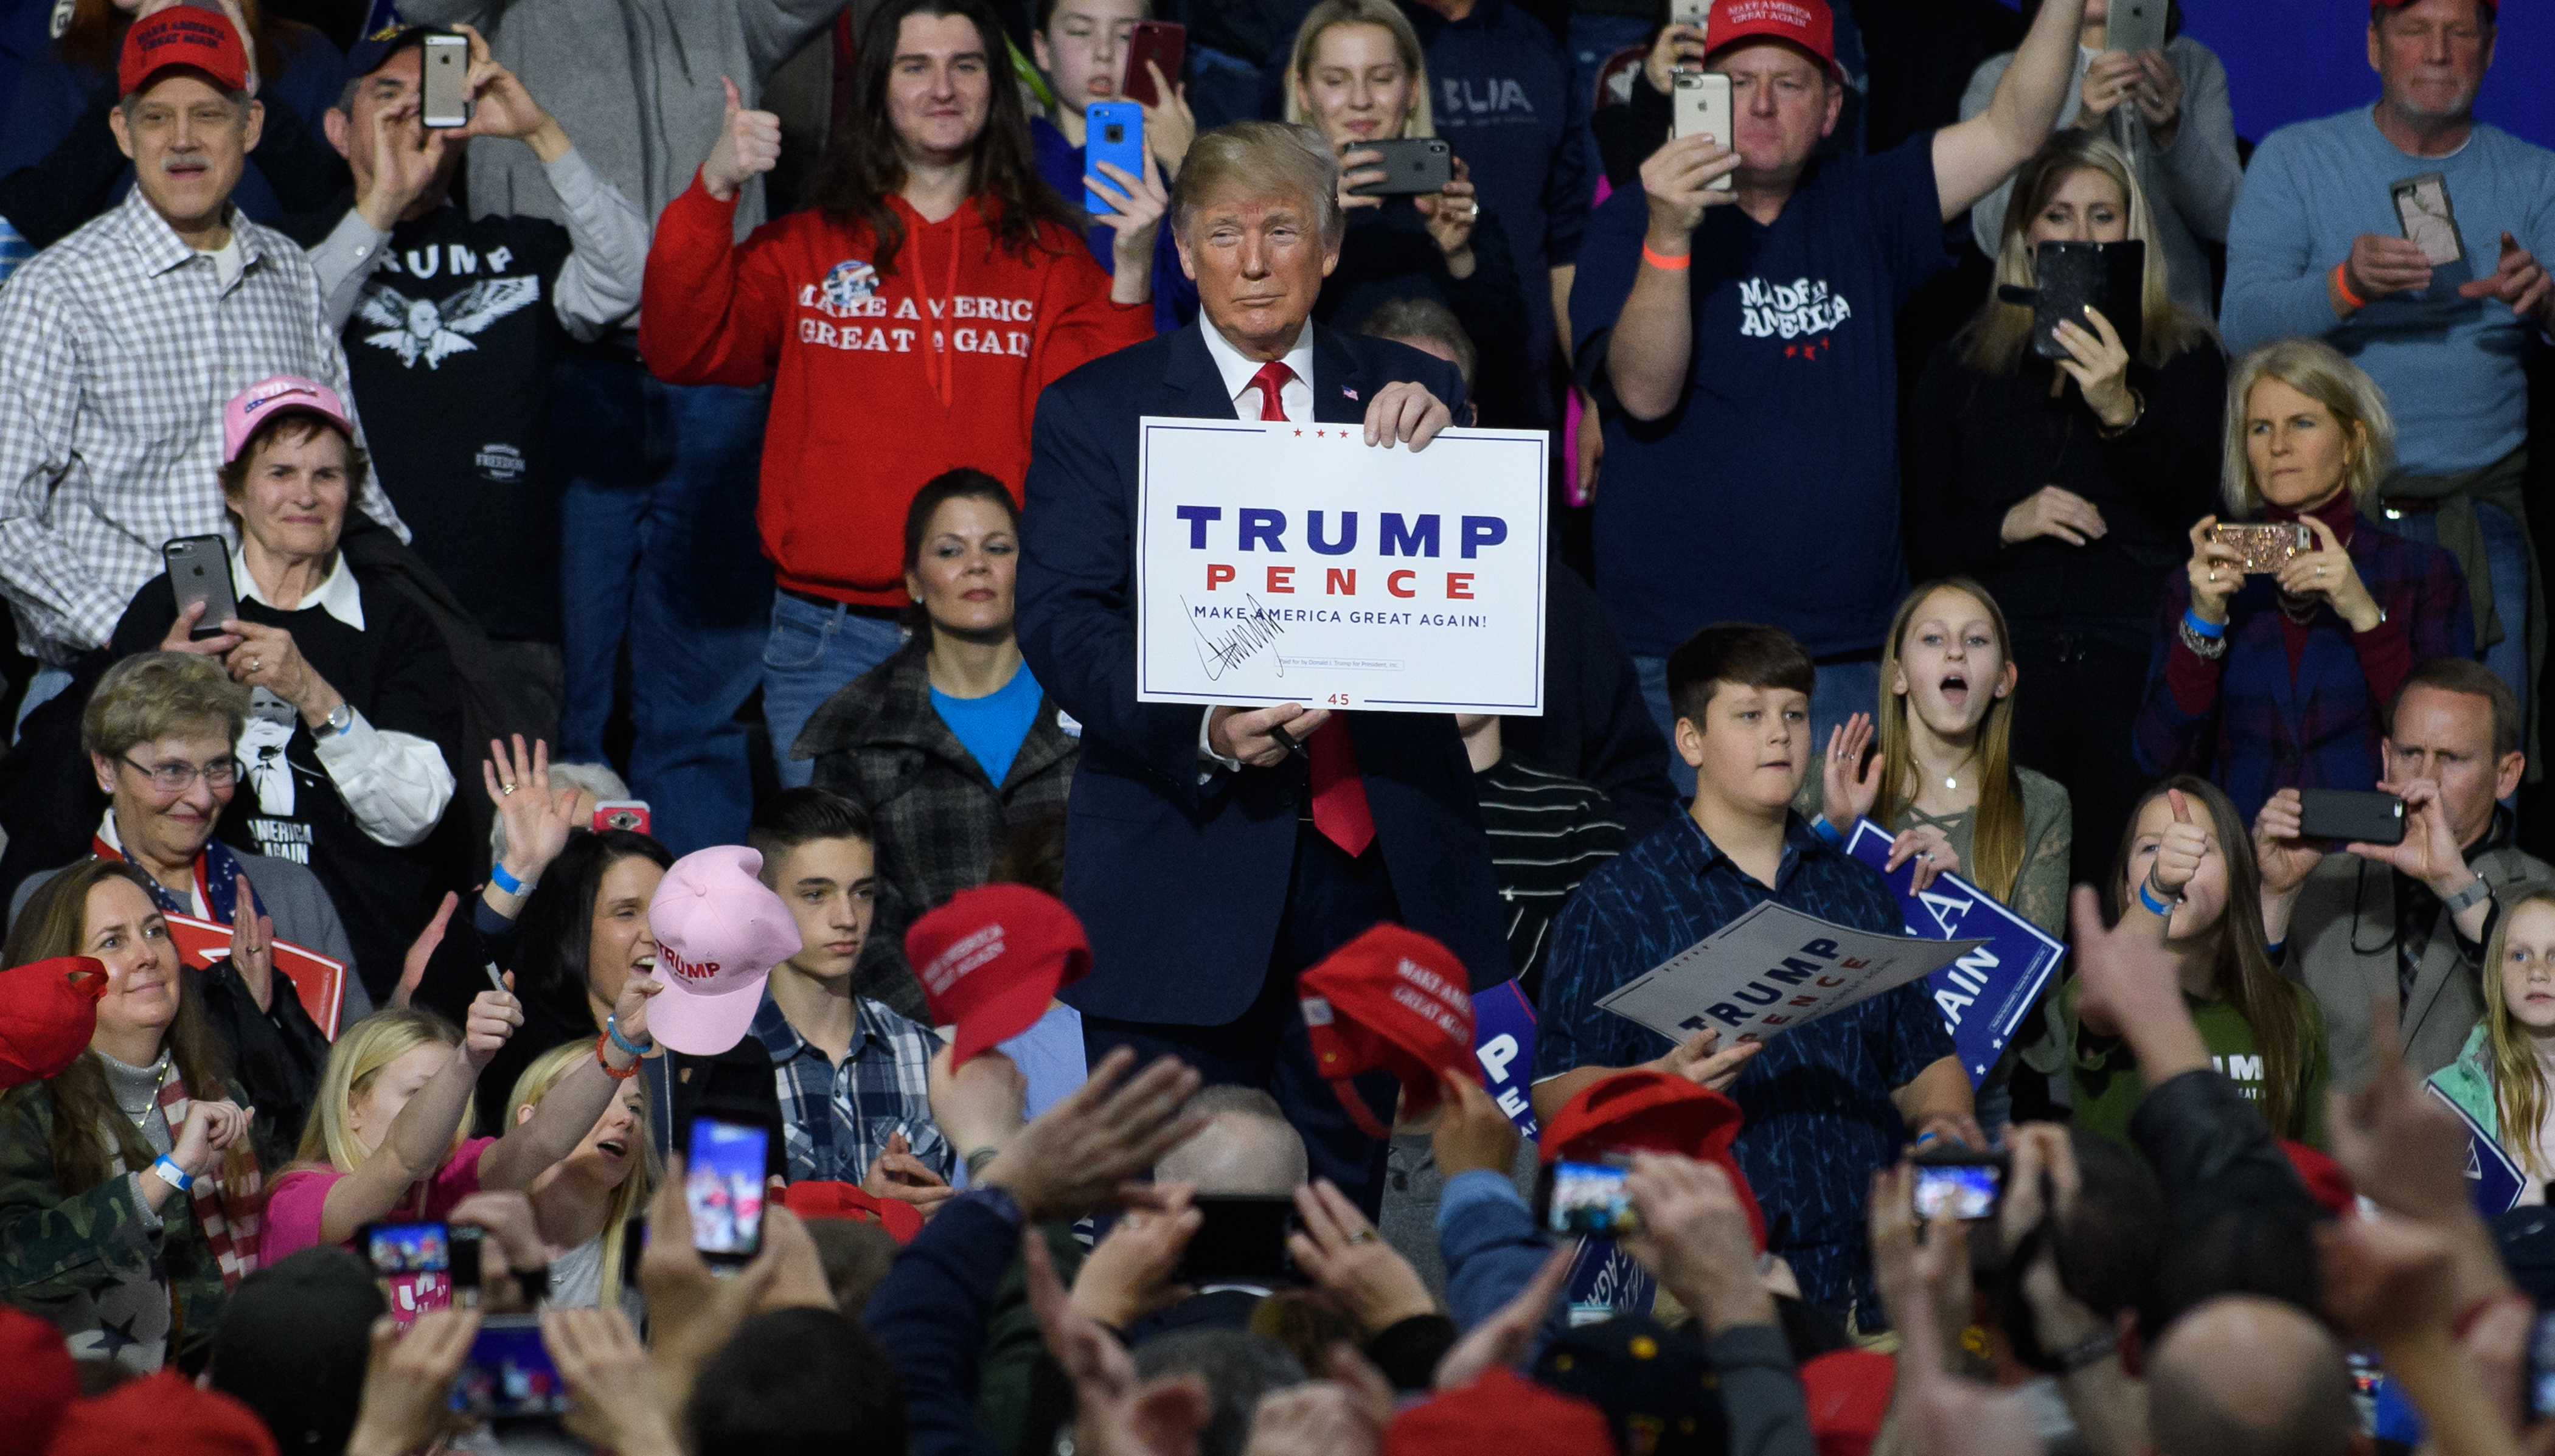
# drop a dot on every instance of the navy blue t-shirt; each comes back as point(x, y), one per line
point(1771, 493)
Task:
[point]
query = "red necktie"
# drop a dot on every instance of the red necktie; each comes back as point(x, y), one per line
point(1340, 809)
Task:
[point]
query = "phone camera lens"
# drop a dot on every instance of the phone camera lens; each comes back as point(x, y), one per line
point(1117, 133)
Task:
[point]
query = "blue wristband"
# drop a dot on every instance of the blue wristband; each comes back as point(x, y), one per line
point(172, 1175)
point(1826, 831)
point(612, 1029)
point(2210, 630)
point(2146, 896)
point(497, 877)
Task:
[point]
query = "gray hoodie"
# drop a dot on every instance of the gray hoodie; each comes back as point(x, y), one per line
point(635, 81)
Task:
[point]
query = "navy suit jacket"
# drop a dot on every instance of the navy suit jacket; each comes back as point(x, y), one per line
point(1182, 885)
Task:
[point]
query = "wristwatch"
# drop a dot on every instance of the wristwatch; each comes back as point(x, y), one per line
point(339, 719)
point(2474, 894)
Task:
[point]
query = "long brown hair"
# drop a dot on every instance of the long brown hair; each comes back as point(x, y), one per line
point(2519, 1092)
point(1996, 835)
point(94, 37)
point(862, 167)
point(55, 923)
point(2273, 1005)
point(1995, 340)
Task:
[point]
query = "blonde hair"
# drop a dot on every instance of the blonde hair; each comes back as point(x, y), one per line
point(2519, 1093)
point(1996, 835)
point(329, 1139)
point(631, 1196)
point(2001, 332)
point(1259, 157)
point(2318, 371)
point(1420, 120)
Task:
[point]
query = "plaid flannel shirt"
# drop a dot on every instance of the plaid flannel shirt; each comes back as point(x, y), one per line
point(118, 349)
point(836, 1119)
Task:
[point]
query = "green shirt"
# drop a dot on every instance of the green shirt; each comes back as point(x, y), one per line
point(2106, 1077)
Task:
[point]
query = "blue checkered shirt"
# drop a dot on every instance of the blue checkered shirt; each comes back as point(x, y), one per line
point(1817, 1098)
point(837, 1119)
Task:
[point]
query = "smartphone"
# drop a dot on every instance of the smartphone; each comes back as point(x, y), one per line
point(1702, 100)
point(1240, 1241)
point(2068, 277)
point(723, 1186)
point(1696, 13)
point(1586, 1199)
point(420, 1247)
point(622, 814)
point(2136, 25)
point(2350, 816)
point(461, 1243)
point(444, 96)
point(1413, 166)
point(2263, 547)
point(2422, 211)
point(199, 571)
point(509, 1374)
point(1165, 43)
point(1114, 132)
point(1958, 1182)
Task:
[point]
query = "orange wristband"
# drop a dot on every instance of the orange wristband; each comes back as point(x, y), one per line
point(2341, 288)
point(1667, 263)
point(622, 1075)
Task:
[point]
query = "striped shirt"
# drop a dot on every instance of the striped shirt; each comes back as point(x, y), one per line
point(119, 346)
point(836, 1119)
point(1547, 832)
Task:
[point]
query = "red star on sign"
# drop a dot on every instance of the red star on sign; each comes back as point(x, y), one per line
point(1299, 434)
point(1791, 351)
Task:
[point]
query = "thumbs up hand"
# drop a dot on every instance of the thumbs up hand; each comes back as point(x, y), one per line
point(2179, 853)
point(749, 142)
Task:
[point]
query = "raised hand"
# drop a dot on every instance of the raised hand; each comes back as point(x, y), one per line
point(2159, 95)
point(269, 658)
point(749, 143)
point(1127, 1275)
point(1360, 166)
point(253, 945)
point(179, 638)
point(537, 817)
point(2179, 853)
point(2100, 364)
point(611, 1390)
point(1450, 213)
point(1080, 1156)
point(407, 1384)
point(2279, 848)
point(1847, 787)
point(494, 1017)
point(501, 107)
point(978, 1104)
point(1116, 1412)
point(1170, 126)
point(1677, 180)
point(2429, 851)
point(1136, 206)
point(1472, 1133)
point(1676, 46)
point(405, 158)
point(1695, 1237)
point(1353, 1268)
point(2327, 574)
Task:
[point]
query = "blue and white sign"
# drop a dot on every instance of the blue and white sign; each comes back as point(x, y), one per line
point(2493, 1179)
point(1985, 994)
point(1504, 1040)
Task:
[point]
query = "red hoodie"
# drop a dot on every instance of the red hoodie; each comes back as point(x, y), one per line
point(879, 381)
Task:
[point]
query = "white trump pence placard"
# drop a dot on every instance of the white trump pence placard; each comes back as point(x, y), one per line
point(1282, 563)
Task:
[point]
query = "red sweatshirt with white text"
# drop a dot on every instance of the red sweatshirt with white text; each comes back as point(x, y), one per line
point(880, 381)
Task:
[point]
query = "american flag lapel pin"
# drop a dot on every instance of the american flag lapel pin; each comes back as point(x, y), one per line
point(1352, 394)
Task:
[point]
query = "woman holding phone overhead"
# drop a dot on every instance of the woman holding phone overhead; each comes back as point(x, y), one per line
point(2065, 486)
point(2274, 677)
point(906, 321)
point(1357, 77)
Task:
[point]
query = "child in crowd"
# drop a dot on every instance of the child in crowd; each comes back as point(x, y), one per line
point(2500, 1078)
point(2185, 860)
point(1082, 48)
point(387, 1137)
point(585, 1202)
point(1945, 772)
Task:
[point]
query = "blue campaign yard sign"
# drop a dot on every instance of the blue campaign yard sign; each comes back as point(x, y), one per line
point(1504, 1042)
point(2495, 1182)
point(1985, 995)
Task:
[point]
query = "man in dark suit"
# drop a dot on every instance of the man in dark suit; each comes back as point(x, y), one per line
point(1213, 855)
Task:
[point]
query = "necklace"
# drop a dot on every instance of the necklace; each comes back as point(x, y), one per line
point(142, 1115)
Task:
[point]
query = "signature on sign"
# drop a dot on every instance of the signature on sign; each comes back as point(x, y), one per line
point(1220, 653)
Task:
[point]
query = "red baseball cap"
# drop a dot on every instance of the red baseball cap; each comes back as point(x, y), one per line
point(1807, 24)
point(37, 1382)
point(164, 1414)
point(1848, 1392)
point(1655, 1111)
point(826, 1198)
point(181, 35)
point(1391, 998)
point(1502, 1411)
point(2325, 1182)
point(48, 1013)
point(992, 958)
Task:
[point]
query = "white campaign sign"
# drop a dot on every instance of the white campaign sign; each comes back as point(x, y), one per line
point(1770, 970)
point(1281, 562)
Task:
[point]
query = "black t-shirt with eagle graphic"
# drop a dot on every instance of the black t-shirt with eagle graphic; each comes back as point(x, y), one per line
point(452, 348)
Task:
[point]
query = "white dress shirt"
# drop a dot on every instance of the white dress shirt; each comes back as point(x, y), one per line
point(395, 786)
point(1295, 397)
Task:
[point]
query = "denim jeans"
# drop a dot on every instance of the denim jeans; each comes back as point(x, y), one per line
point(2505, 555)
point(1844, 689)
point(811, 653)
point(662, 556)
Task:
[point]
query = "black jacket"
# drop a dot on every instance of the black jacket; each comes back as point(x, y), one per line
point(1596, 727)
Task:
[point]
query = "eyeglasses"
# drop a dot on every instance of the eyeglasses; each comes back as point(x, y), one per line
point(176, 778)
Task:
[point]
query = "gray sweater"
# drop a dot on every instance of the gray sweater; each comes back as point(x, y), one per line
point(636, 83)
point(2191, 186)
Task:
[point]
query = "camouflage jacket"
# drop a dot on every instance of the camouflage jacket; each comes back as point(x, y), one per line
point(57, 1253)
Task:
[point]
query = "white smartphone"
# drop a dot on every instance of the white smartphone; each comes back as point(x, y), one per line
point(2136, 25)
point(1703, 109)
point(445, 96)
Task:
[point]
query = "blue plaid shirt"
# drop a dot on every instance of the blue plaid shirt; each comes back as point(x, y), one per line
point(1817, 1098)
point(836, 1119)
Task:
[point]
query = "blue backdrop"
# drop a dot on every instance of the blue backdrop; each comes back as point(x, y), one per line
point(2291, 59)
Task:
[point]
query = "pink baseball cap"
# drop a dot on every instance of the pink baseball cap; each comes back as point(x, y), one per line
point(282, 394)
point(719, 933)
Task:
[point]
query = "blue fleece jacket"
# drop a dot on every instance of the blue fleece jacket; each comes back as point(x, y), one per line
point(928, 1315)
point(2452, 367)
